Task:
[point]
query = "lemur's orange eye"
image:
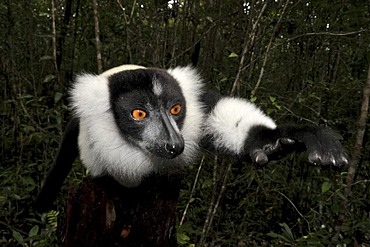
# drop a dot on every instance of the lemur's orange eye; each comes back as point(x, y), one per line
point(176, 109)
point(138, 114)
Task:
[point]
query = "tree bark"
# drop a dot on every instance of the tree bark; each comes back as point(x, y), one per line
point(61, 39)
point(97, 37)
point(54, 35)
point(101, 212)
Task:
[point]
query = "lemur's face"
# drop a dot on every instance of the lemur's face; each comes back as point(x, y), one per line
point(149, 110)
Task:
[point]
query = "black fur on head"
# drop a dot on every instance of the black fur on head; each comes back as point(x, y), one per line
point(155, 92)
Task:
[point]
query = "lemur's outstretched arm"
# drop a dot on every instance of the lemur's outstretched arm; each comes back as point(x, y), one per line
point(235, 126)
point(320, 143)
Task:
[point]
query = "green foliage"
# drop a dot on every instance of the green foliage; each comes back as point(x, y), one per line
point(286, 236)
point(182, 239)
point(23, 226)
point(325, 186)
point(233, 54)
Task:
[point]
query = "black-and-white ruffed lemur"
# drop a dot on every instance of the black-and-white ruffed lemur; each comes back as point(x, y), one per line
point(131, 121)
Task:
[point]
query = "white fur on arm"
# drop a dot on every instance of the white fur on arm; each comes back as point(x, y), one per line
point(229, 122)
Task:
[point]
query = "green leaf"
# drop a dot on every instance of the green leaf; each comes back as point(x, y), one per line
point(325, 186)
point(340, 194)
point(49, 78)
point(3, 199)
point(207, 184)
point(253, 99)
point(272, 99)
point(52, 218)
point(171, 22)
point(275, 235)
point(233, 54)
point(361, 224)
point(288, 232)
point(145, 22)
point(17, 236)
point(209, 19)
point(57, 97)
point(335, 208)
point(182, 238)
point(34, 231)
point(28, 129)
point(46, 57)
point(29, 183)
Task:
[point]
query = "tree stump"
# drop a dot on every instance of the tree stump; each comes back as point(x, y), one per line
point(101, 212)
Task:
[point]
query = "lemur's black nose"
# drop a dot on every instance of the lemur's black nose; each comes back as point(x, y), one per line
point(173, 140)
point(175, 148)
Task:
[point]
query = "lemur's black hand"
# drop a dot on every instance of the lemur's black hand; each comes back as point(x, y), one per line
point(322, 147)
point(273, 150)
point(321, 144)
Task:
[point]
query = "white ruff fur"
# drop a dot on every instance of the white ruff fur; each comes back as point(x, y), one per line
point(229, 123)
point(103, 151)
point(192, 87)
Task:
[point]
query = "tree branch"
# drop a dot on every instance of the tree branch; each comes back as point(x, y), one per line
point(327, 33)
point(192, 192)
point(214, 205)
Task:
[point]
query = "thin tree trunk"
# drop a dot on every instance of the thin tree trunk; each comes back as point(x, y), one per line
point(214, 205)
point(54, 33)
point(277, 26)
point(249, 42)
point(356, 154)
point(97, 37)
point(207, 221)
point(128, 19)
point(73, 49)
point(54, 38)
point(12, 82)
point(60, 41)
